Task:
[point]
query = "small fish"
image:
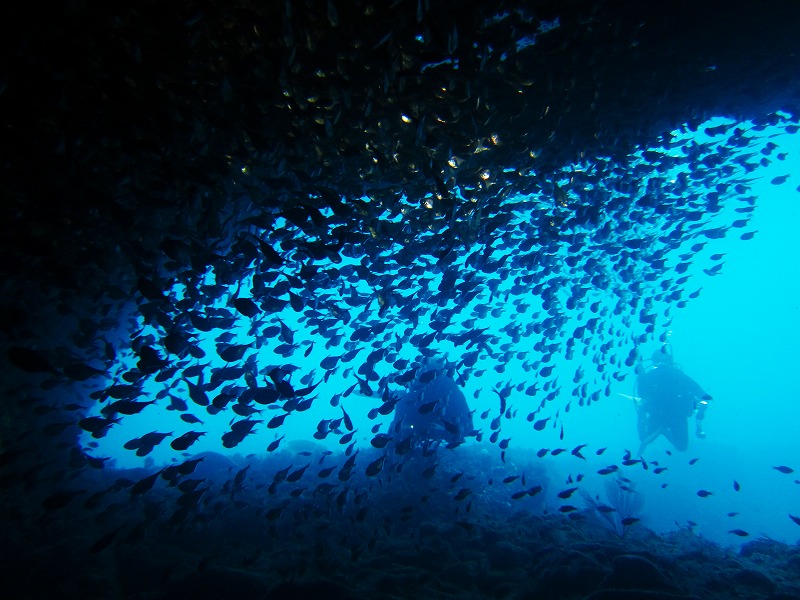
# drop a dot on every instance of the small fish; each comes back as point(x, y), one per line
point(704, 493)
point(427, 408)
point(82, 372)
point(779, 180)
point(577, 451)
point(564, 494)
point(187, 439)
point(144, 485)
point(105, 541)
point(375, 466)
point(246, 307)
point(277, 421)
point(784, 470)
point(462, 494)
point(30, 361)
point(739, 532)
point(60, 499)
point(274, 445)
point(326, 472)
point(380, 440)
point(295, 475)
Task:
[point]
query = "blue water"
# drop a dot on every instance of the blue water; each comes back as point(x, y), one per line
point(737, 338)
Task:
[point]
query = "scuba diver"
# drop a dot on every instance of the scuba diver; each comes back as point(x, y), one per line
point(434, 410)
point(665, 397)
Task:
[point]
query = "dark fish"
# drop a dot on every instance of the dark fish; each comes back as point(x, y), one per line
point(274, 445)
point(238, 479)
point(144, 485)
point(239, 430)
point(739, 532)
point(784, 470)
point(781, 179)
point(56, 429)
point(29, 360)
point(375, 466)
point(97, 426)
point(187, 439)
point(577, 451)
point(273, 514)
point(628, 521)
point(427, 408)
point(82, 372)
point(736, 486)
point(231, 353)
point(126, 407)
point(541, 424)
point(122, 391)
point(277, 421)
point(564, 494)
point(197, 393)
point(60, 499)
point(188, 467)
point(462, 494)
point(226, 374)
point(607, 470)
point(348, 423)
point(329, 363)
point(105, 541)
point(246, 306)
point(326, 472)
point(703, 493)
point(270, 254)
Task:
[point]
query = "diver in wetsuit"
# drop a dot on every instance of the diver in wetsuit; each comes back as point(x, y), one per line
point(434, 410)
point(665, 398)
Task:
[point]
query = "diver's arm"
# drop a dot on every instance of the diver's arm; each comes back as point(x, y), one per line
point(700, 414)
